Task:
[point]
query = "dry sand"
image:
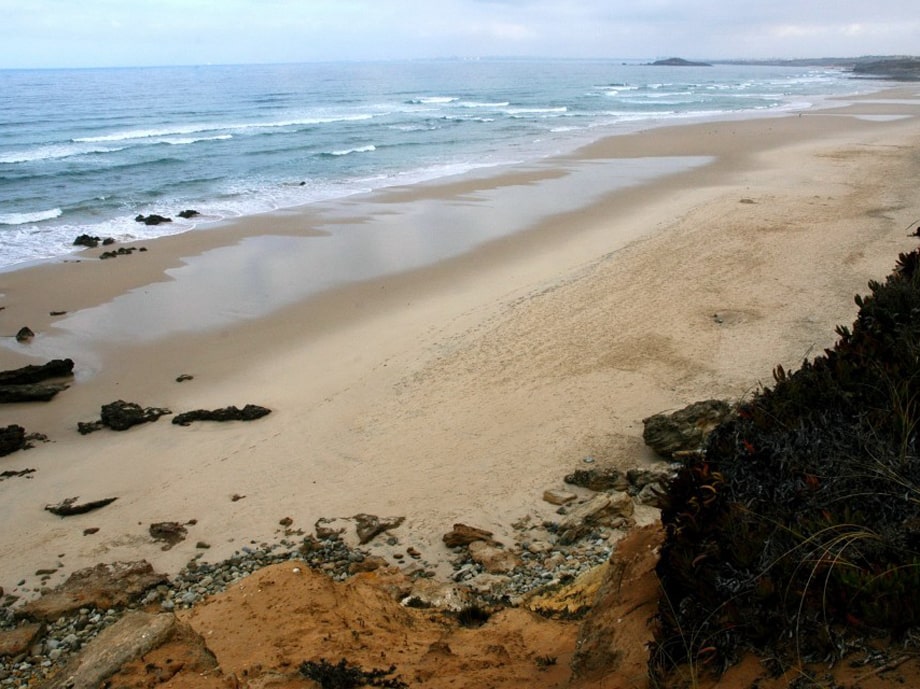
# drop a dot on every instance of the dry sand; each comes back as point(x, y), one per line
point(458, 391)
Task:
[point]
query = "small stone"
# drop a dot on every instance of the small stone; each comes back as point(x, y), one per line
point(201, 545)
point(556, 496)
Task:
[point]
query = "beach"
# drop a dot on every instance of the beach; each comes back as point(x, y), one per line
point(453, 391)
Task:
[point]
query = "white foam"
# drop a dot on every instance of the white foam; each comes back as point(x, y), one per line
point(29, 218)
point(363, 149)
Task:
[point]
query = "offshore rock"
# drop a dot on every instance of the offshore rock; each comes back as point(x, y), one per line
point(104, 586)
point(87, 240)
point(687, 429)
point(152, 219)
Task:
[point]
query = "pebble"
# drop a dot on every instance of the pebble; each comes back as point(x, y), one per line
point(543, 563)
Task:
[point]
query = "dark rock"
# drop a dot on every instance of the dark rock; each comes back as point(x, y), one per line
point(39, 392)
point(168, 532)
point(108, 241)
point(152, 219)
point(121, 415)
point(463, 534)
point(685, 430)
point(25, 334)
point(104, 586)
point(188, 214)
point(14, 474)
point(69, 507)
point(13, 642)
point(184, 377)
point(369, 526)
point(248, 413)
point(90, 531)
point(120, 251)
point(12, 438)
point(598, 479)
point(56, 368)
point(57, 313)
point(87, 241)
point(87, 427)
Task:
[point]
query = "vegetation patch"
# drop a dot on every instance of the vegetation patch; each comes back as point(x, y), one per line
point(797, 531)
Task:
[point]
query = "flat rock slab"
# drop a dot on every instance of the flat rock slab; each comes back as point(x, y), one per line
point(16, 641)
point(463, 534)
point(131, 637)
point(555, 496)
point(104, 586)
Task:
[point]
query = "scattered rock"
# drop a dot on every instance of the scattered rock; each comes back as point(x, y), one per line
point(104, 586)
point(555, 496)
point(57, 313)
point(130, 638)
point(34, 392)
point(369, 526)
point(15, 474)
point(598, 479)
point(493, 560)
point(184, 377)
point(87, 241)
point(19, 640)
point(121, 415)
point(25, 334)
point(168, 532)
point(12, 438)
point(186, 214)
point(68, 507)
point(152, 219)
point(90, 531)
point(462, 534)
point(35, 373)
point(584, 517)
point(250, 412)
point(120, 251)
point(685, 430)
point(286, 522)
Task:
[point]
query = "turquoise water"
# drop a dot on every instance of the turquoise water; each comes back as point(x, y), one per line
point(85, 151)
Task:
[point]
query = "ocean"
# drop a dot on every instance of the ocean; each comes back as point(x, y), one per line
point(86, 151)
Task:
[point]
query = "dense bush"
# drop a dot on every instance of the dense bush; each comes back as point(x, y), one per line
point(798, 529)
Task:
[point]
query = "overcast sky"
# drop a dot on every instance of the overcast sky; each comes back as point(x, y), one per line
point(85, 33)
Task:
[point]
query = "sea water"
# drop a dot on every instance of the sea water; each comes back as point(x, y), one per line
point(86, 151)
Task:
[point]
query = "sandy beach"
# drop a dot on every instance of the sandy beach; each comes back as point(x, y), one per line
point(456, 391)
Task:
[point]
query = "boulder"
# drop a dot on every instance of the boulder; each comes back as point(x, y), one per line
point(12, 438)
point(152, 219)
point(104, 586)
point(121, 415)
point(87, 240)
point(601, 509)
point(35, 392)
point(14, 642)
point(598, 479)
point(493, 560)
point(25, 334)
point(34, 373)
point(250, 412)
point(134, 635)
point(685, 430)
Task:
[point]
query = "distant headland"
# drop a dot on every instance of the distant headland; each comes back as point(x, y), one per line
point(678, 62)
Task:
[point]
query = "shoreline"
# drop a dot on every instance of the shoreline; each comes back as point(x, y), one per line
point(496, 370)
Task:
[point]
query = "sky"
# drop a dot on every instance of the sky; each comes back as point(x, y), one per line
point(111, 33)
